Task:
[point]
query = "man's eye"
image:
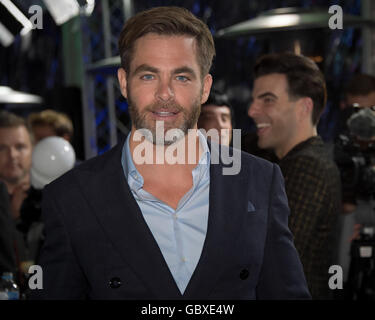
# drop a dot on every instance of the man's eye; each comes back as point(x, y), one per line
point(147, 77)
point(267, 100)
point(182, 78)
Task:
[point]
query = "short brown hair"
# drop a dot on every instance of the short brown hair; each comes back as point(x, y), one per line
point(360, 85)
point(167, 21)
point(303, 76)
point(11, 120)
point(59, 122)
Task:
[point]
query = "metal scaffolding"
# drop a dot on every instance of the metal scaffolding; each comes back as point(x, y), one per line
point(102, 100)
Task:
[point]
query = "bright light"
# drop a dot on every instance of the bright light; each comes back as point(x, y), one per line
point(64, 10)
point(89, 7)
point(16, 13)
point(6, 37)
point(282, 20)
point(8, 95)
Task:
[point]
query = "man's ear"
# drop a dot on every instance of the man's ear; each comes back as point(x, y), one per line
point(121, 75)
point(306, 106)
point(207, 83)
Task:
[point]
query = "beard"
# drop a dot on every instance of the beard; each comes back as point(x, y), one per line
point(179, 127)
point(14, 178)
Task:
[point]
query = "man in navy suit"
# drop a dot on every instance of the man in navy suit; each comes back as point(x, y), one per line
point(162, 215)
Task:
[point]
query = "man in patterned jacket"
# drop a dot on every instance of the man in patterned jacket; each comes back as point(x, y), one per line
point(289, 96)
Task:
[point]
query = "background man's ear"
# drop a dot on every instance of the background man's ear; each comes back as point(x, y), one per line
point(306, 107)
point(121, 75)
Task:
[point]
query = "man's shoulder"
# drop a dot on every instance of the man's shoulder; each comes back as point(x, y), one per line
point(309, 164)
point(86, 169)
point(247, 158)
point(256, 161)
point(313, 153)
point(257, 169)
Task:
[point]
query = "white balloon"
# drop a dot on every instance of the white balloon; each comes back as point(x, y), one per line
point(52, 157)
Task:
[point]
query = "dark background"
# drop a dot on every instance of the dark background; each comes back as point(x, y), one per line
point(38, 67)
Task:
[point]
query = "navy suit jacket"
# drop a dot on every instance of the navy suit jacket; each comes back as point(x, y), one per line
point(98, 245)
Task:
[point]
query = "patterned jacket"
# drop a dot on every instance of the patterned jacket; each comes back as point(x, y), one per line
point(313, 187)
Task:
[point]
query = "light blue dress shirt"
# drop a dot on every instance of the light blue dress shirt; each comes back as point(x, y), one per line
point(179, 233)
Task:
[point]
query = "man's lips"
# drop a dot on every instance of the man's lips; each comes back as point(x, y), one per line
point(164, 115)
point(13, 165)
point(262, 128)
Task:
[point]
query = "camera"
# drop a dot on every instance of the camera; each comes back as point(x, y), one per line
point(355, 157)
point(355, 153)
point(355, 160)
point(361, 284)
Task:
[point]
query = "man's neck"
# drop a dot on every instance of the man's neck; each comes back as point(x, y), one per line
point(11, 186)
point(174, 159)
point(283, 150)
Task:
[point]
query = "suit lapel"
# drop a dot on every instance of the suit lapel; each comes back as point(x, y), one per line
point(228, 206)
point(120, 215)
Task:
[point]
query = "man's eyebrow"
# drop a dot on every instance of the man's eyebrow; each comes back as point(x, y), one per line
point(148, 68)
point(267, 94)
point(185, 70)
point(145, 68)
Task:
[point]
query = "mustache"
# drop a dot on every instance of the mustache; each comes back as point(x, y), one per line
point(167, 107)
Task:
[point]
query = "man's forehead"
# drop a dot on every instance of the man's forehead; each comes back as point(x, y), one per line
point(152, 37)
point(163, 44)
point(20, 133)
point(273, 82)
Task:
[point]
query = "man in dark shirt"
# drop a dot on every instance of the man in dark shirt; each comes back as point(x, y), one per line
point(15, 164)
point(7, 257)
point(288, 98)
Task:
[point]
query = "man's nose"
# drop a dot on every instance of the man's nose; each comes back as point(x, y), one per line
point(164, 91)
point(254, 110)
point(13, 153)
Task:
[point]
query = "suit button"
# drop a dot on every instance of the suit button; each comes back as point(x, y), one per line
point(115, 283)
point(244, 274)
